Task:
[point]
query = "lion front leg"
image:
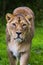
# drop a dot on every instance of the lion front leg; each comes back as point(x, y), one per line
point(24, 59)
point(12, 59)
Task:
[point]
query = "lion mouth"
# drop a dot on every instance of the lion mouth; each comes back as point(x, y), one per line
point(18, 38)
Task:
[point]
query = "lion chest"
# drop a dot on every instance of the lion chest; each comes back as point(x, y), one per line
point(14, 49)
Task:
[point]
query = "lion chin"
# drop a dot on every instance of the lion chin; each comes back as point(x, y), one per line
point(18, 40)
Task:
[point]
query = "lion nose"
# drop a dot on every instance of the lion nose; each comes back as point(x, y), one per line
point(18, 33)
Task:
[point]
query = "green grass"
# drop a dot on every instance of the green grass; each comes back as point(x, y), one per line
point(36, 57)
point(37, 48)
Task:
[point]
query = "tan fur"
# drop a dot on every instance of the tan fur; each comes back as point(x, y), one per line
point(22, 21)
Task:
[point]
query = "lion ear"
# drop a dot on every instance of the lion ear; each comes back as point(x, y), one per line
point(29, 19)
point(9, 17)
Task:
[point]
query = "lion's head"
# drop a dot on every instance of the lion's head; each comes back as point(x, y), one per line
point(20, 24)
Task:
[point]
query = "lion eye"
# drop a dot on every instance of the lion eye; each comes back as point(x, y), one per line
point(24, 25)
point(13, 24)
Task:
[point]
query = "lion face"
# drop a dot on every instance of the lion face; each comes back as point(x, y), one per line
point(18, 27)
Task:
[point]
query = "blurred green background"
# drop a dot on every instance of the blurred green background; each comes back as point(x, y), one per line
point(36, 57)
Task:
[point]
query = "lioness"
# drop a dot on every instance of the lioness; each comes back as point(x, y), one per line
point(19, 33)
